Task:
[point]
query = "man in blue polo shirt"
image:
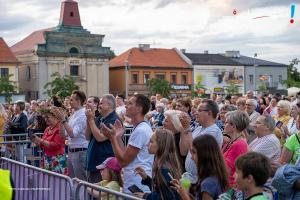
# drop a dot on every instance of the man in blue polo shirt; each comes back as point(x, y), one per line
point(99, 148)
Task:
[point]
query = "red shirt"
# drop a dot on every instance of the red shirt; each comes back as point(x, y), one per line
point(239, 147)
point(56, 141)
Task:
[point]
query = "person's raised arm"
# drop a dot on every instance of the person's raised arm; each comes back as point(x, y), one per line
point(124, 155)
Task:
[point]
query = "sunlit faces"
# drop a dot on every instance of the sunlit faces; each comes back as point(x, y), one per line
point(249, 107)
point(152, 147)
point(74, 101)
point(194, 154)
point(228, 127)
point(104, 106)
point(181, 107)
point(202, 113)
point(281, 110)
point(50, 119)
point(105, 174)
point(90, 103)
point(260, 127)
point(131, 108)
point(241, 182)
point(167, 124)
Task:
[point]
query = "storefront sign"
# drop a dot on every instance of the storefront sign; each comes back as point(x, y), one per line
point(180, 87)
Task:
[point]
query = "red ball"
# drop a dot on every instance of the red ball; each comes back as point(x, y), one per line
point(292, 21)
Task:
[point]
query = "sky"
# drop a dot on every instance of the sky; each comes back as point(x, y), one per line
point(194, 25)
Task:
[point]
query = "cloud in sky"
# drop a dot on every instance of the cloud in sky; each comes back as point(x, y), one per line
point(195, 25)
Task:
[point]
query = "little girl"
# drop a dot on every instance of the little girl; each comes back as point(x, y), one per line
point(110, 171)
point(166, 165)
point(211, 170)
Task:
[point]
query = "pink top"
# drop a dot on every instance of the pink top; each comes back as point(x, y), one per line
point(56, 141)
point(239, 147)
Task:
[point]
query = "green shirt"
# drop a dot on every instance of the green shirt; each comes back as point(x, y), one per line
point(112, 185)
point(259, 196)
point(293, 145)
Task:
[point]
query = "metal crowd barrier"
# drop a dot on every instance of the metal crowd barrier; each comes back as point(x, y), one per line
point(32, 183)
point(18, 147)
point(85, 190)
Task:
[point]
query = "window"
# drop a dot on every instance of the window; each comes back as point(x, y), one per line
point(74, 70)
point(146, 78)
point(173, 78)
point(73, 50)
point(160, 76)
point(251, 78)
point(280, 78)
point(4, 72)
point(134, 78)
point(183, 78)
point(28, 73)
point(71, 14)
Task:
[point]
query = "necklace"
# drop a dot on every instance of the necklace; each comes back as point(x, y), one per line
point(230, 143)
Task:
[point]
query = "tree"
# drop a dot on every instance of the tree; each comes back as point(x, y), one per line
point(199, 90)
point(7, 87)
point(61, 86)
point(293, 76)
point(232, 88)
point(262, 88)
point(160, 86)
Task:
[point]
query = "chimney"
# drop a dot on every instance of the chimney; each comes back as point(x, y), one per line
point(205, 51)
point(69, 14)
point(144, 46)
point(232, 54)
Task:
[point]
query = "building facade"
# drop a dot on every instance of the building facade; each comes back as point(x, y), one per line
point(8, 64)
point(67, 49)
point(216, 71)
point(144, 63)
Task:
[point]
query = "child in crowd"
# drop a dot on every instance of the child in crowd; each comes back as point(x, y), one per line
point(252, 172)
point(166, 165)
point(110, 171)
point(211, 170)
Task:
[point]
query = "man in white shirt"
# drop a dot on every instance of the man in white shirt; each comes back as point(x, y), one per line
point(266, 142)
point(136, 153)
point(75, 131)
point(120, 109)
point(206, 115)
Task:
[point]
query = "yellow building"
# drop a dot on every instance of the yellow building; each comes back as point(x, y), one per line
point(8, 63)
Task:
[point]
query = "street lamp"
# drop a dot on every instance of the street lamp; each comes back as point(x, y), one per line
point(126, 78)
point(254, 66)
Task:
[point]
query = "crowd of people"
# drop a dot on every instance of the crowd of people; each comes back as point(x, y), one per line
point(234, 147)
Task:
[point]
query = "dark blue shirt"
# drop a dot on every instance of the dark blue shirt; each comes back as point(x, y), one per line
point(99, 151)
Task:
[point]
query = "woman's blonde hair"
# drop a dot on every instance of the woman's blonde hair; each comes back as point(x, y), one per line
point(286, 105)
point(179, 119)
point(3, 112)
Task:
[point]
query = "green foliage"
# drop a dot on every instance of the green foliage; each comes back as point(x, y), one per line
point(198, 89)
point(61, 86)
point(232, 88)
point(7, 87)
point(262, 88)
point(157, 85)
point(293, 76)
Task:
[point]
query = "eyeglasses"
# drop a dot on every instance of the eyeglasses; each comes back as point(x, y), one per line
point(298, 105)
point(247, 104)
point(199, 110)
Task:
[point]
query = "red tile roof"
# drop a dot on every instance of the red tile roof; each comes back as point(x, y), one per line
point(28, 44)
point(6, 55)
point(152, 57)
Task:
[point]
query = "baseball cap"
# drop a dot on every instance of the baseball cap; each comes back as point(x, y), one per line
point(110, 163)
